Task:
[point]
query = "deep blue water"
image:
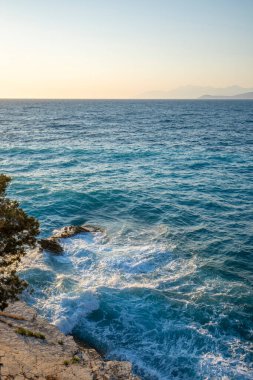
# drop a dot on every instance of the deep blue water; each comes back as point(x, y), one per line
point(168, 286)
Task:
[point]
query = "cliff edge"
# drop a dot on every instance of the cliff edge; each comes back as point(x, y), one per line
point(31, 348)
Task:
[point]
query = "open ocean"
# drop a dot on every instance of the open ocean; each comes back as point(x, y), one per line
point(169, 285)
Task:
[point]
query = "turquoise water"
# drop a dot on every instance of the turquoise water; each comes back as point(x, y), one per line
point(168, 286)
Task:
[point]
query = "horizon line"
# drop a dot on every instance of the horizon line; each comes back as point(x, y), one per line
point(109, 99)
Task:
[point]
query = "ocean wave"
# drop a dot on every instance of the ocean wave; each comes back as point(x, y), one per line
point(169, 286)
point(124, 298)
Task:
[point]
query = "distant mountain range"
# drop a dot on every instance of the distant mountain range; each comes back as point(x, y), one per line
point(195, 92)
point(246, 95)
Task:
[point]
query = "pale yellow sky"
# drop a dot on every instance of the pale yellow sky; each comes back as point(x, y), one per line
point(112, 49)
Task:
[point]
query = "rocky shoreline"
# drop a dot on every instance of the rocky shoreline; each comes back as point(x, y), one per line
point(31, 348)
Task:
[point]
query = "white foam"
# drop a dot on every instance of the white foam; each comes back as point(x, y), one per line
point(67, 309)
point(91, 263)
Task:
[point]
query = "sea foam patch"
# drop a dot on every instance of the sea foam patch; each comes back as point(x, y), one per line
point(70, 309)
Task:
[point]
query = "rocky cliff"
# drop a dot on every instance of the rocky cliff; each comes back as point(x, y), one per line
point(31, 348)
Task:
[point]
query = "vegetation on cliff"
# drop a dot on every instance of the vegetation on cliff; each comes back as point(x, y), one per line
point(17, 233)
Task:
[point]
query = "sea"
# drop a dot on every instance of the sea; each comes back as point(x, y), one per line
point(168, 283)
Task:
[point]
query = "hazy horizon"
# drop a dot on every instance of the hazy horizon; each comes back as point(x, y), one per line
point(110, 50)
point(180, 93)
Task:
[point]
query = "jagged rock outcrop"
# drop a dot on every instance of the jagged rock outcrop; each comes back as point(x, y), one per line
point(31, 348)
point(53, 245)
point(69, 231)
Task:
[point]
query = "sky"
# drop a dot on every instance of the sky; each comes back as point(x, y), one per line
point(122, 48)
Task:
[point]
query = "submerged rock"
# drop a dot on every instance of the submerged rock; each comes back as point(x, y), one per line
point(31, 348)
point(51, 245)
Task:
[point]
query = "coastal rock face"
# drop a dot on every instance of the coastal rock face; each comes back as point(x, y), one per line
point(31, 348)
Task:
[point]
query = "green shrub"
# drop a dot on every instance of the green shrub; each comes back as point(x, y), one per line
point(17, 234)
point(75, 359)
point(26, 332)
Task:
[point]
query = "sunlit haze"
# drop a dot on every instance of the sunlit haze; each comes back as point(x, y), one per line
point(122, 49)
